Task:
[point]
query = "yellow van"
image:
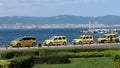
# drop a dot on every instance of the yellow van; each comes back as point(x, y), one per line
point(56, 40)
point(24, 41)
point(84, 39)
point(108, 38)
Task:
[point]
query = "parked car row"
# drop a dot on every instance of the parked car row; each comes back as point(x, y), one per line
point(32, 41)
point(62, 40)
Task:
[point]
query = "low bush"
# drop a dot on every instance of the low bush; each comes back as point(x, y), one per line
point(6, 55)
point(51, 59)
point(21, 62)
point(43, 52)
point(18, 53)
point(116, 60)
point(4, 63)
point(107, 53)
point(56, 56)
point(86, 54)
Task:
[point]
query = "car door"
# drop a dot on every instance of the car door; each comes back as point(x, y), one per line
point(87, 40)
point(28, 42)
point(60, 40)
point(91, 39)
point(23, 42)
point(55, 41)
point(84, 39)
point(108, 39)
point(64, 40)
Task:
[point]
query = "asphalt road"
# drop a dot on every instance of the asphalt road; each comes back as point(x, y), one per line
point(107, 45)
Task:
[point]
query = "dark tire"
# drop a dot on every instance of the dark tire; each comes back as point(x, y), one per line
point(80, 43)
point(103, 41)
point(64, 43)
point(74, 43)
point(18, 45)
point(91, 42)
point(50, 44)
point(117, 40)
point(34, 44)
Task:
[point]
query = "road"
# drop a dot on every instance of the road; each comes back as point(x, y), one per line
point(107, 45)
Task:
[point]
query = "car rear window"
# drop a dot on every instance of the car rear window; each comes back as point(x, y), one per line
point(64, 37)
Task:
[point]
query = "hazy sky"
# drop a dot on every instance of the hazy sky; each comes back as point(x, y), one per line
point(46, 8)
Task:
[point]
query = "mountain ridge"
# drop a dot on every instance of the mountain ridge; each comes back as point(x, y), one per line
point(60, 19)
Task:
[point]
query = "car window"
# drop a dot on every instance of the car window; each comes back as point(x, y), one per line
point(87, 37)
point(64, 38)
point(23, 39)
point(59, 38)
point(55, 38)
point(28, 38)
point(109, 36)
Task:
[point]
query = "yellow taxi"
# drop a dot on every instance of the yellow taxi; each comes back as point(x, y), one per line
point(24, 41)
point(84, 39)
point(108, 38)
point(56, 40)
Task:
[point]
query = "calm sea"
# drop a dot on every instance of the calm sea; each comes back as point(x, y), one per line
point(7, 35)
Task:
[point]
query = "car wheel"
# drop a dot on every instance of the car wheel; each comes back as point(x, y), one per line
point(33, 44)
point(18, 45)
point(80, 43)
point(91, 42)
point(50, 44)
point(104, 41)
point(64, 43)
point(74, 43)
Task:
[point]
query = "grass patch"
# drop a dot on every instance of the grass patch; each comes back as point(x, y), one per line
point(98, 62)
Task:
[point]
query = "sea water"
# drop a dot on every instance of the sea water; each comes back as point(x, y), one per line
point(7, 35)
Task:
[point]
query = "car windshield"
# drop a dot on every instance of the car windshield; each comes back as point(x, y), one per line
point(105, 36)
point(80, 37)
point(52, 38)
point(19, 38)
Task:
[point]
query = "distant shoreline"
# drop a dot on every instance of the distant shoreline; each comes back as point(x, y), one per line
point(49, 26)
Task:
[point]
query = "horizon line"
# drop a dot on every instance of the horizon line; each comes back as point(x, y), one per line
point(57, 15)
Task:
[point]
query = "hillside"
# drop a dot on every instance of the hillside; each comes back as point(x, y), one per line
point(62, 19)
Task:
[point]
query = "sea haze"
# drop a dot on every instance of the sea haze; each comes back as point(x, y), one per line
point(61, 21)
